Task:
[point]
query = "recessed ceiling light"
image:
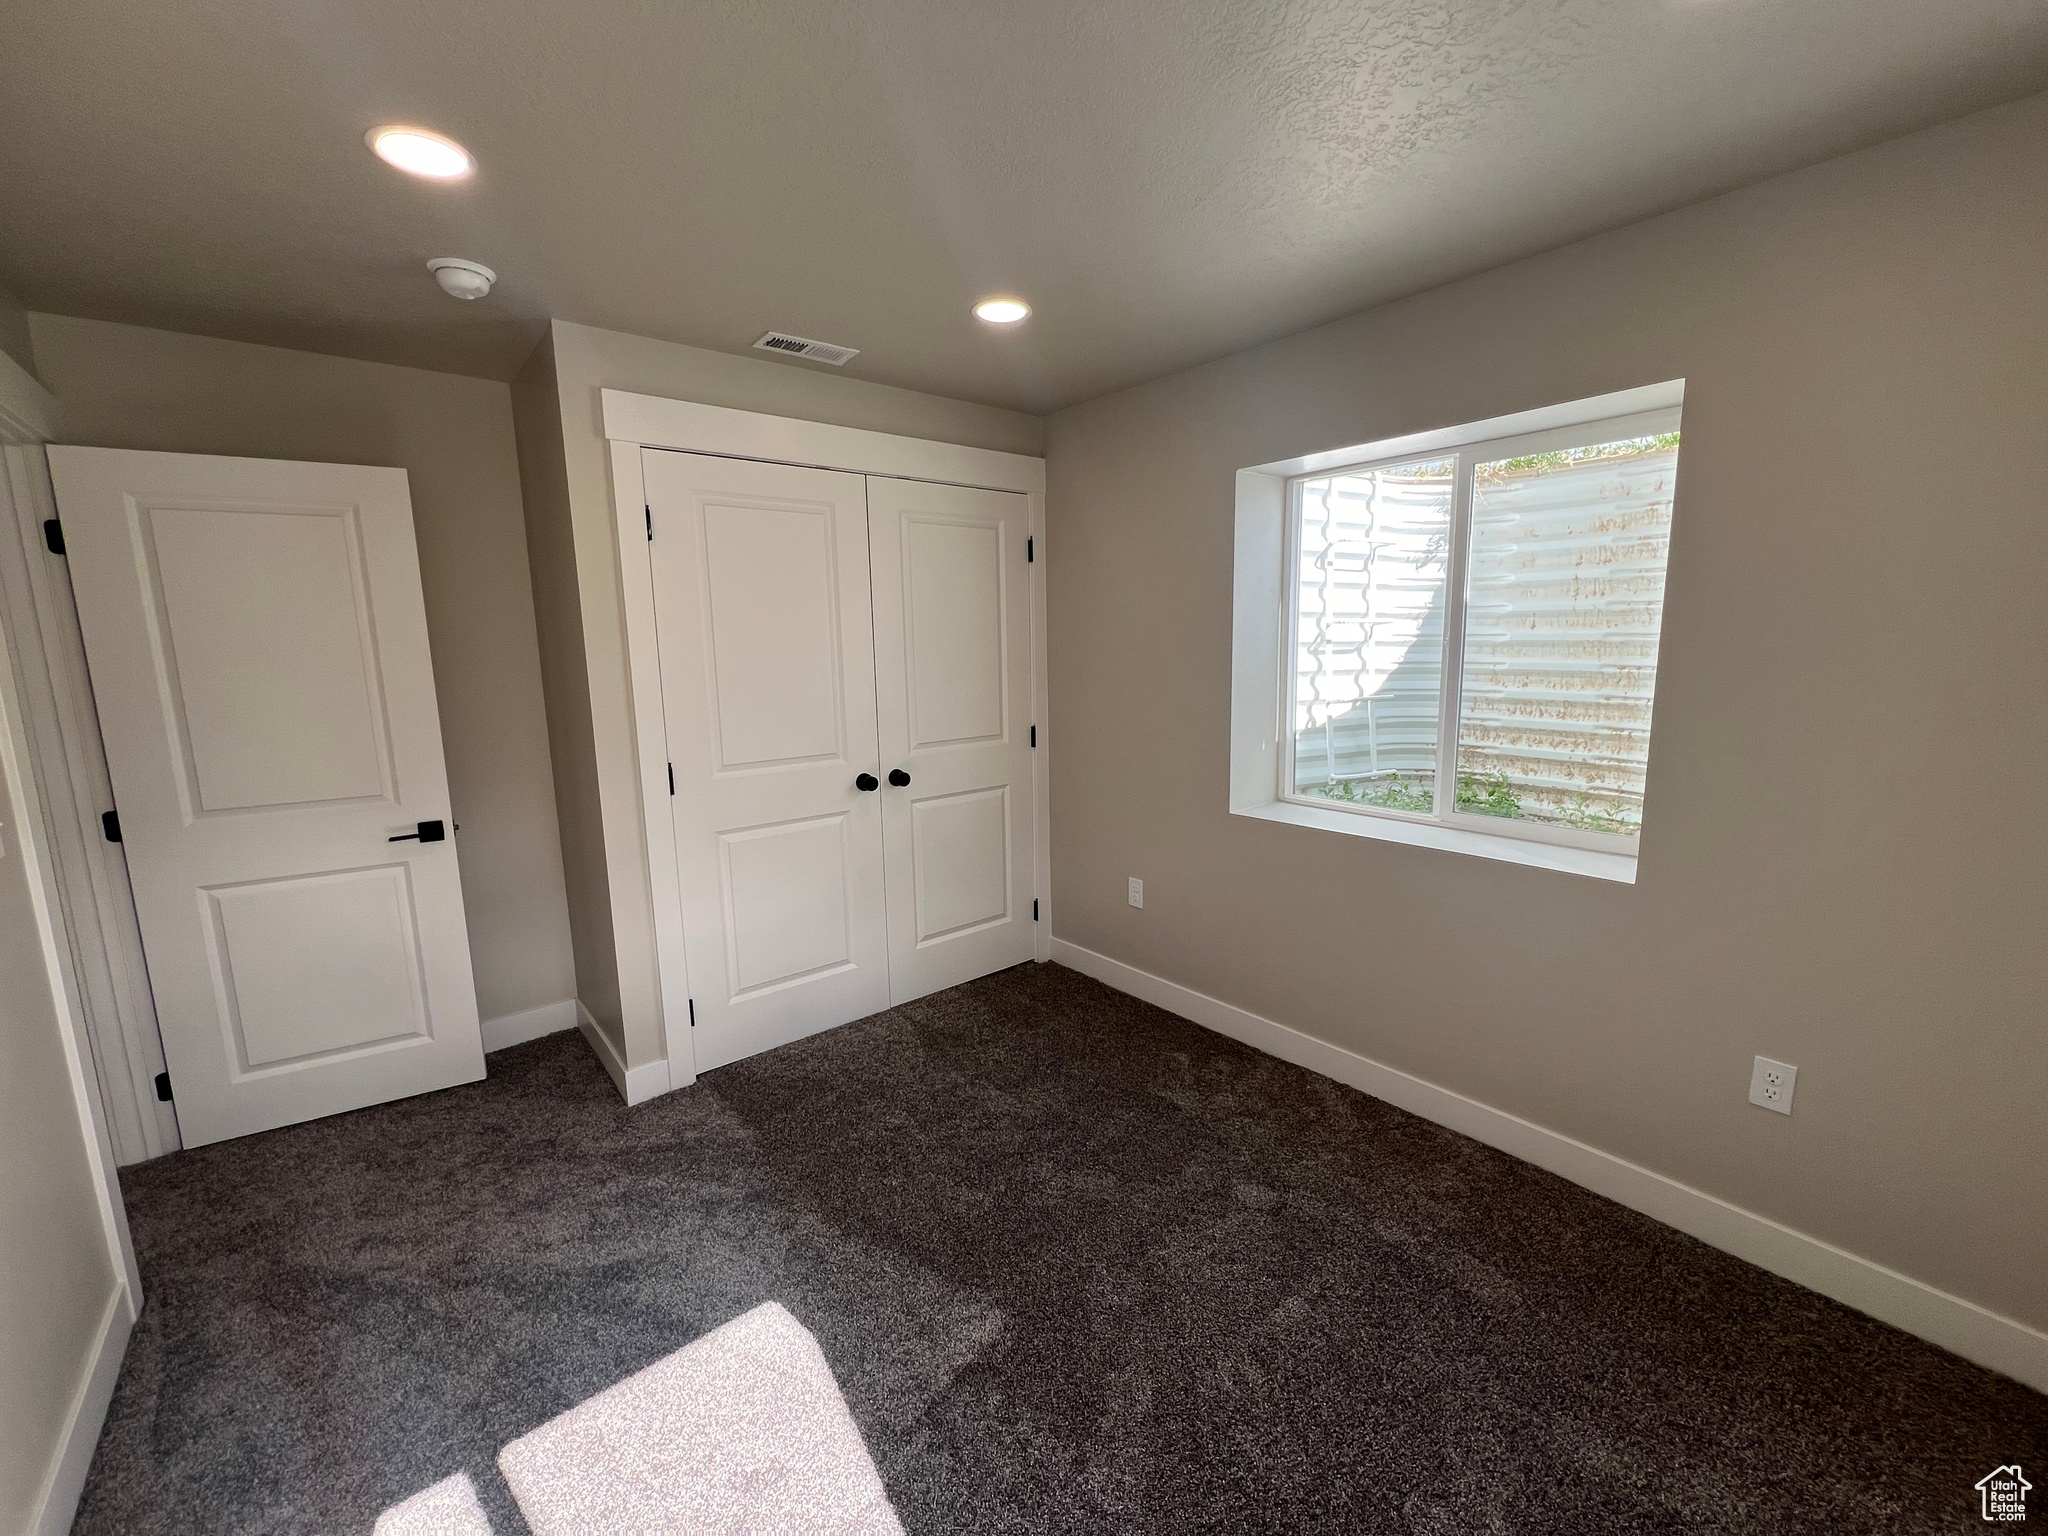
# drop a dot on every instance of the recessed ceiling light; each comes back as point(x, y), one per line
point(421, 153)
point(1001, 311)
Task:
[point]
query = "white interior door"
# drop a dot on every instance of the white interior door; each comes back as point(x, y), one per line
point(768, 688)
point(953, 691)
point(258, 651)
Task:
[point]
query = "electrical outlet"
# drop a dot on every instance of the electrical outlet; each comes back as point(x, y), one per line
point(1770, 1084)
point(1137, 892)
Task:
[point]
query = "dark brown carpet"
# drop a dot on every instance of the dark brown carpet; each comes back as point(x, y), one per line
point(1079, 1267)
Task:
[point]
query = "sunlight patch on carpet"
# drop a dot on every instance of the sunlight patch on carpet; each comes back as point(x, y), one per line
point(742, 1430)
point(449, 1508)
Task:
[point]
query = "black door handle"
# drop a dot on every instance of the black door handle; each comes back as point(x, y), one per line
point(867, 781)
point(429, 832)
point(899, 778)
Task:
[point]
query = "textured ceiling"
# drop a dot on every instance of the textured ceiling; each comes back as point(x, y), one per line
point(1166, 180)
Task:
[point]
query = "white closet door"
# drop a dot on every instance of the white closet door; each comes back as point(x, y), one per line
point(953, 686)
point(768, 688)
point(258, 650)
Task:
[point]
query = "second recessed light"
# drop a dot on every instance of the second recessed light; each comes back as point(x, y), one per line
point(1001, 311)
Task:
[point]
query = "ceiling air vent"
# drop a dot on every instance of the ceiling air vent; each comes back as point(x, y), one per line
point(800, 346)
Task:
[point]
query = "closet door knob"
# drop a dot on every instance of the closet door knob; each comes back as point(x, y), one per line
point(867, 781)
point(899, 778)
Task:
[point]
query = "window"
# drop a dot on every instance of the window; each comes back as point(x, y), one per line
point(1470, 633)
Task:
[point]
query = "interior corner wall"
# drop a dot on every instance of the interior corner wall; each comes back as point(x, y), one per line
point(583, 362)
point(124, 386)
point(15, 340)
point(558, 617)
point(1844, 863)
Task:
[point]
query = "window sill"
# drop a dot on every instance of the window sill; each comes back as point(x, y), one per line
point(1423, 834)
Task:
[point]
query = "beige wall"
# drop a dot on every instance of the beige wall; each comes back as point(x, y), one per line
point(1846, 857)
point(14, 337)
point(126, 387)
point(56, 1275)
point(558, 617)
point(593, 732)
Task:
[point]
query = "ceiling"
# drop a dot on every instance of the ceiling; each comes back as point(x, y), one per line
point(1166, 180)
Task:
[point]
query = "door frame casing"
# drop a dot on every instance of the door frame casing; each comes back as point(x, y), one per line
point(634, 422)
point(28, 418)
point(62, 722)
point(61, 727)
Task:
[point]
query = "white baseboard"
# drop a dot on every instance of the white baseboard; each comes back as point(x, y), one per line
point(529, 1024)
point(65, 1480)
point(1960, 1326)
point(636, 1085)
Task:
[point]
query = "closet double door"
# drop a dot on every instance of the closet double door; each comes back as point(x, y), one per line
point(846, 692)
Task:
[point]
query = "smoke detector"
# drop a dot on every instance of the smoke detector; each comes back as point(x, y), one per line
point(461, 279)
point(803, 346)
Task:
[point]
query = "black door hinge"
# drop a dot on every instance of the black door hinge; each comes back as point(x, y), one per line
point(53, 535)
point(163, 1087)
point(693, 1013)
point(1034, 735)
point(650, 522)
point(1030, 550)
point(671, 778)
point(1034, 909)
point(110, 824)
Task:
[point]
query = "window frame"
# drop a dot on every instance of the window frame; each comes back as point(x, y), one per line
point(1267, 489)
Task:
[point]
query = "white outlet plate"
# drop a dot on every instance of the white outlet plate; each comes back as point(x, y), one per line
point(1771, 1083)
point(1137, 892)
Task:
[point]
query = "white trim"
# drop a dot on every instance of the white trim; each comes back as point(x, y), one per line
point(608, 1055)
point(91, 877)
point(636, 1085)
point(649, 421)
point(1572, 413)
point(529, 1024)
point(1413, 830)
point(57, 1505)
point(29, 413)
point(63, 733)
point(1962, 1327)
point(634, 423)
point(31, 845)
point(650, 741)
point(28, 416)
point(1450, 698)
point(1041, 715)
point(63, 742)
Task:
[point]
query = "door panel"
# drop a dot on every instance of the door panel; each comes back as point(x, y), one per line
point(771, 581)
point(953, 621)
point(767, 665)
point(273, 697)
point(789, 903)
point(960, 858)
point(953, 695)
point(289, 1001)
point(258, 650)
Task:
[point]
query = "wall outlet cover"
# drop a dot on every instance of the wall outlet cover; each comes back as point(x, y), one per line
point(1770, 1084)
point(1137, 892)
